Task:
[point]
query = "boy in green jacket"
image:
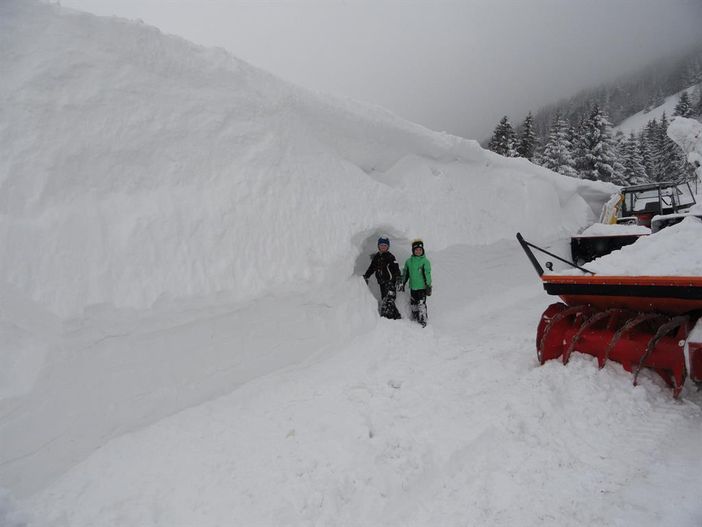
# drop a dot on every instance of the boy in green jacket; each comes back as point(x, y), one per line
point(418, 271)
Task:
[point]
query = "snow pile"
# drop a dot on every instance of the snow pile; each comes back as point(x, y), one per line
point(139, 167)
point(673, 251)
point(607, 229)
point(175, 223)
point(455, 424)
point(186, 343)
point(687, 133)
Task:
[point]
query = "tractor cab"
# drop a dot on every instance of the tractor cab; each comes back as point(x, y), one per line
point(640, 203)
point(630, 215)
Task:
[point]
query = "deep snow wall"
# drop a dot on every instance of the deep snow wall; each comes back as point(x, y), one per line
point(142, 172)
point(687, 133)
point(138, 165)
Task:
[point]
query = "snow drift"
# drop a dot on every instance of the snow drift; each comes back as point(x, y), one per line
point(140, 171)
point(614, 229)
point(687, 133)
point(668, 252)
point(138, 166)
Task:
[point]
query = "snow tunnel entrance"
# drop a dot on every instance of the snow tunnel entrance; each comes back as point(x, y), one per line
point(368, 246)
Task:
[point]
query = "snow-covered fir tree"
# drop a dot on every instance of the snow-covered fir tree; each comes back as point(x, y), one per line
point(632, 159)
point(557, 153)
point(646, 154)
point(503, 139)
point(596, 154)
point(697, 101)
point(619, 142)
point(684, 106)
point(526, 146)
point(669, 160)
point(651, 147)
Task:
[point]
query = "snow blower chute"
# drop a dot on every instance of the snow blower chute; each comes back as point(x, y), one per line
point(638, 321)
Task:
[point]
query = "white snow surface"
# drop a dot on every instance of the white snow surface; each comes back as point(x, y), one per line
point(454, 424)
point(606, 229)
point(637, 122)
point(187, 342)
point(673, 251)
point(688, 134)
point(139, 167)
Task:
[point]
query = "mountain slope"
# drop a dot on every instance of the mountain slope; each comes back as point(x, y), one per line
point(637, 122)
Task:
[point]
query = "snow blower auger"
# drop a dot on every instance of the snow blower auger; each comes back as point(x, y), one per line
point(638, 321)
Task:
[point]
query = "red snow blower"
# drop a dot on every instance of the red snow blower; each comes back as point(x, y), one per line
point(638, 321)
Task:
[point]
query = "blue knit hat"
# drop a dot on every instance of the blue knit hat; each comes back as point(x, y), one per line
point(384, 239)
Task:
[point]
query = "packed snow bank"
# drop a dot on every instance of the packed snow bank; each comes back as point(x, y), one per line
point(138, 166)
point(201, 222)
point(687, 133)
point(605, 229)
point(454, 424)
point(149, 186)
point(673, 251)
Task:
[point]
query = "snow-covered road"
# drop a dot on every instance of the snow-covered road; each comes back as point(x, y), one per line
point(451, 425)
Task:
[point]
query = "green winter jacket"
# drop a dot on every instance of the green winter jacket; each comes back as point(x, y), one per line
point(418, 271)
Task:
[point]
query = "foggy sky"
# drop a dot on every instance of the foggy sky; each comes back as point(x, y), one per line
point(450, 65)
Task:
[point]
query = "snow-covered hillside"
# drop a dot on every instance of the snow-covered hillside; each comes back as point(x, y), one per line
point(637, 122)
point(183, 235)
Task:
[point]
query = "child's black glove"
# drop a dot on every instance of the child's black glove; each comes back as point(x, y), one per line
point(428, 290)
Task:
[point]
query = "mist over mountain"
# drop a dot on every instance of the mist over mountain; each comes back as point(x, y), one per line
point(643, 90)
point(579, 136)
